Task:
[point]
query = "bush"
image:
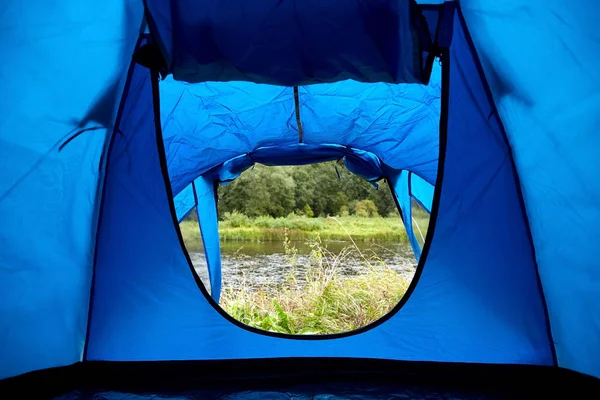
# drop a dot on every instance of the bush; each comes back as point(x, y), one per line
point(393, 214)
point(307, 211)
point(236, 219)
point(264, 222)
point(366, 209)
point(306, 224)
point(344, 211)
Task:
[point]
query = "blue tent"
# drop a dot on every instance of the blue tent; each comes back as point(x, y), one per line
point(121, 117)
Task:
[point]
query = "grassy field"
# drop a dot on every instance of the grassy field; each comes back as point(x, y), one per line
point(325, 303)
point(240, 227)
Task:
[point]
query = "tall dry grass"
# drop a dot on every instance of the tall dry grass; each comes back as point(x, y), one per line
point(325, 301)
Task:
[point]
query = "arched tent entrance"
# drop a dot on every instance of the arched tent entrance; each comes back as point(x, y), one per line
point(382, 130)
point(201, 193)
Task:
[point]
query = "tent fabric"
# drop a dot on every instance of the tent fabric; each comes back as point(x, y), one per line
point(185, 201)
point(400, 182)
point(49, 183)
point(481, 239)
point(90, 254)
point(422, 191)
point(206, 209)
point(206, 124)
point(139, 275)
point(548, 101)
point(290, 43)
point(363, 163)
point(450, 315)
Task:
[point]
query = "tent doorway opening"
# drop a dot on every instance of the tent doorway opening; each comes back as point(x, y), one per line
point(309, 249)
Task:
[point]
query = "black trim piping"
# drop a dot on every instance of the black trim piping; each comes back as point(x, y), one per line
point(195, 194)
point(519, 189)
point(106, 158)
point(395, 197)
point(428, 239)
point(162, 157)
point(216, 193)
point(154, 35)
point(298, 120)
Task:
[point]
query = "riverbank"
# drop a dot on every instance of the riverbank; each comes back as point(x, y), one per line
point(238, 227)
point(317, 296)
point(327, 304)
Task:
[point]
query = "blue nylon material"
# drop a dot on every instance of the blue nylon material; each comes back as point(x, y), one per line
point(209, 229)
point(141, 272)
point(185, 202)
point(207, 124)
point(289, 43)
point(360, 162)
point(480, 246)
point(48, 198)
point(422, 191)
point(148, 307)
point(548, 99)
point(400, 183)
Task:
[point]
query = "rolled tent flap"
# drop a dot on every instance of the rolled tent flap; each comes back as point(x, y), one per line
point(185, 202)
point(401, 187)
point(422, 191)
point(362, 163)
point(201, 195)
point(291, 43)
point(204, 192)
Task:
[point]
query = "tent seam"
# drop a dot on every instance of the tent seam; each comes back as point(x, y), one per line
point(101, 189)
point(518, 185)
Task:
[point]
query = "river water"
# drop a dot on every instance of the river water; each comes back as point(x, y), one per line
point(259, 264)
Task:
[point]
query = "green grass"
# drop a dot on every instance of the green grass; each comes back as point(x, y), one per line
point(240, 227)
point(326, 302)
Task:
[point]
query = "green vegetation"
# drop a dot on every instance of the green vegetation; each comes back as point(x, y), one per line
point(325, 302)
point(236, 226)
point(265, 203)
point(315, 190)
point(312, 203)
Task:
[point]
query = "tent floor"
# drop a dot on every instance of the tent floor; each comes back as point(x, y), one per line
point(298, 379)
point(322, 392)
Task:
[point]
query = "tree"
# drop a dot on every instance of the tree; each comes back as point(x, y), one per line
point(382, 197)
point(311, 190)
